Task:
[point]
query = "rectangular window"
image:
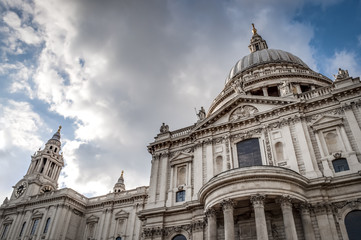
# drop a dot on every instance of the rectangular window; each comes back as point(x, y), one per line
point(181, 196)
point(249, 153)
point(35, 224)
point(340, 165)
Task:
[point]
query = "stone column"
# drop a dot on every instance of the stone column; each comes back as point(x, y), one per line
point(227, 206)
point(323, 223)
point(260, 217)
point(265, 92)
point(288, 220)
point(331, 220)
point(306, 221)
point(212, 224)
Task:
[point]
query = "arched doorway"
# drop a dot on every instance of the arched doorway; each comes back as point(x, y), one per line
point(179, 237)
point(352, 222)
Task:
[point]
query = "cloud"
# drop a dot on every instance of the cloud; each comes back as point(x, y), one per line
point(19, 126)
point(23, 32)
point(19, 136)
point(343, 59)
point(116, 71)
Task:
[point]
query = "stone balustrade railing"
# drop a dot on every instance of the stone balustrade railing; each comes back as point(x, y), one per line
point(315, 93)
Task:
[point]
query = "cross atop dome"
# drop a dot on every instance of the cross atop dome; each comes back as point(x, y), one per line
point(257, 43)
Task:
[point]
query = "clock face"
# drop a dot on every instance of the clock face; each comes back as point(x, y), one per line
point(21, 188)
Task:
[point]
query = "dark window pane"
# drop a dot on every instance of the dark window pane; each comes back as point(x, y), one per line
point(180, 196)
point(22, 229)
point(249, 153)
point(352, 222)
point(340, 165)
point(179, 237)
point(35, 224)
point(46, 225)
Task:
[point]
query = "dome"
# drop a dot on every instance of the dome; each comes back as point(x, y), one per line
point(264, 56)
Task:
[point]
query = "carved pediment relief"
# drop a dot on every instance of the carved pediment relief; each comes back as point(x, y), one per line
point(92, 219)
point(181, 157)
point(326, 122)
point(121, 215)
point(243, 112)
point(37, 214)
point(8, 220)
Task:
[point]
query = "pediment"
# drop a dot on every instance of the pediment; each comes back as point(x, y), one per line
point(242, 107)
point(181, 157)
point(326, 122)
point(37, 214)
point(8, 220)
point(121, 214)
point(92, 218)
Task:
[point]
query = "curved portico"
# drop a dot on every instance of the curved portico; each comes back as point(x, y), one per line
point(250, 192)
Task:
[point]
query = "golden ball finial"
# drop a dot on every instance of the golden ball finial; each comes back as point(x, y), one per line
point(254, 30)
point(122, 173)
point(59, 128)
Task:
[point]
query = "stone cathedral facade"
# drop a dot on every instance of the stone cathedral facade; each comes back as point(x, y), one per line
point(277, 156)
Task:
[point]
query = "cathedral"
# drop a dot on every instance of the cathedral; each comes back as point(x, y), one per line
point(276, 156)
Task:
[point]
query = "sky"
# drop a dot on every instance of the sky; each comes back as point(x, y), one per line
point(111, 72)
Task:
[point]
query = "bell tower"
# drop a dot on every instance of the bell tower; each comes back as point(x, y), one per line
point(44, 170)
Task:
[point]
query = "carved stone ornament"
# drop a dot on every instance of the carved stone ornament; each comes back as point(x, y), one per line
point(227, 204)
point(164, 128)
point(210, 212)
point(337, 155)
point(258, 200)
point(285, 200)
point(243, 112)
point(341, 74)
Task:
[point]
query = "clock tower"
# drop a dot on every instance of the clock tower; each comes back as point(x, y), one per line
point(44, 170)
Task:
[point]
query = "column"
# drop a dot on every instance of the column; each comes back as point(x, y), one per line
point(227, 206)
point(323, 222)
point(331, 220)
point(306, 221)
point(212, 224)
point(288, 220)
point(260, 217)
point(265, 92)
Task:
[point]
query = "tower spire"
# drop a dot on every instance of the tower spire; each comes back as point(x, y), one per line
point(120, 186)
point(257, 43)
point(254, 30)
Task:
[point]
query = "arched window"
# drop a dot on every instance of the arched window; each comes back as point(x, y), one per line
point(22, 229)
point(181, 176)
point(118, 238)
point(352, 222)
point(33, 229)
point(249, 153)
point(179, 237)
point(46, 225)
point(332, 142)
point(340, 165)
point(279, 151)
